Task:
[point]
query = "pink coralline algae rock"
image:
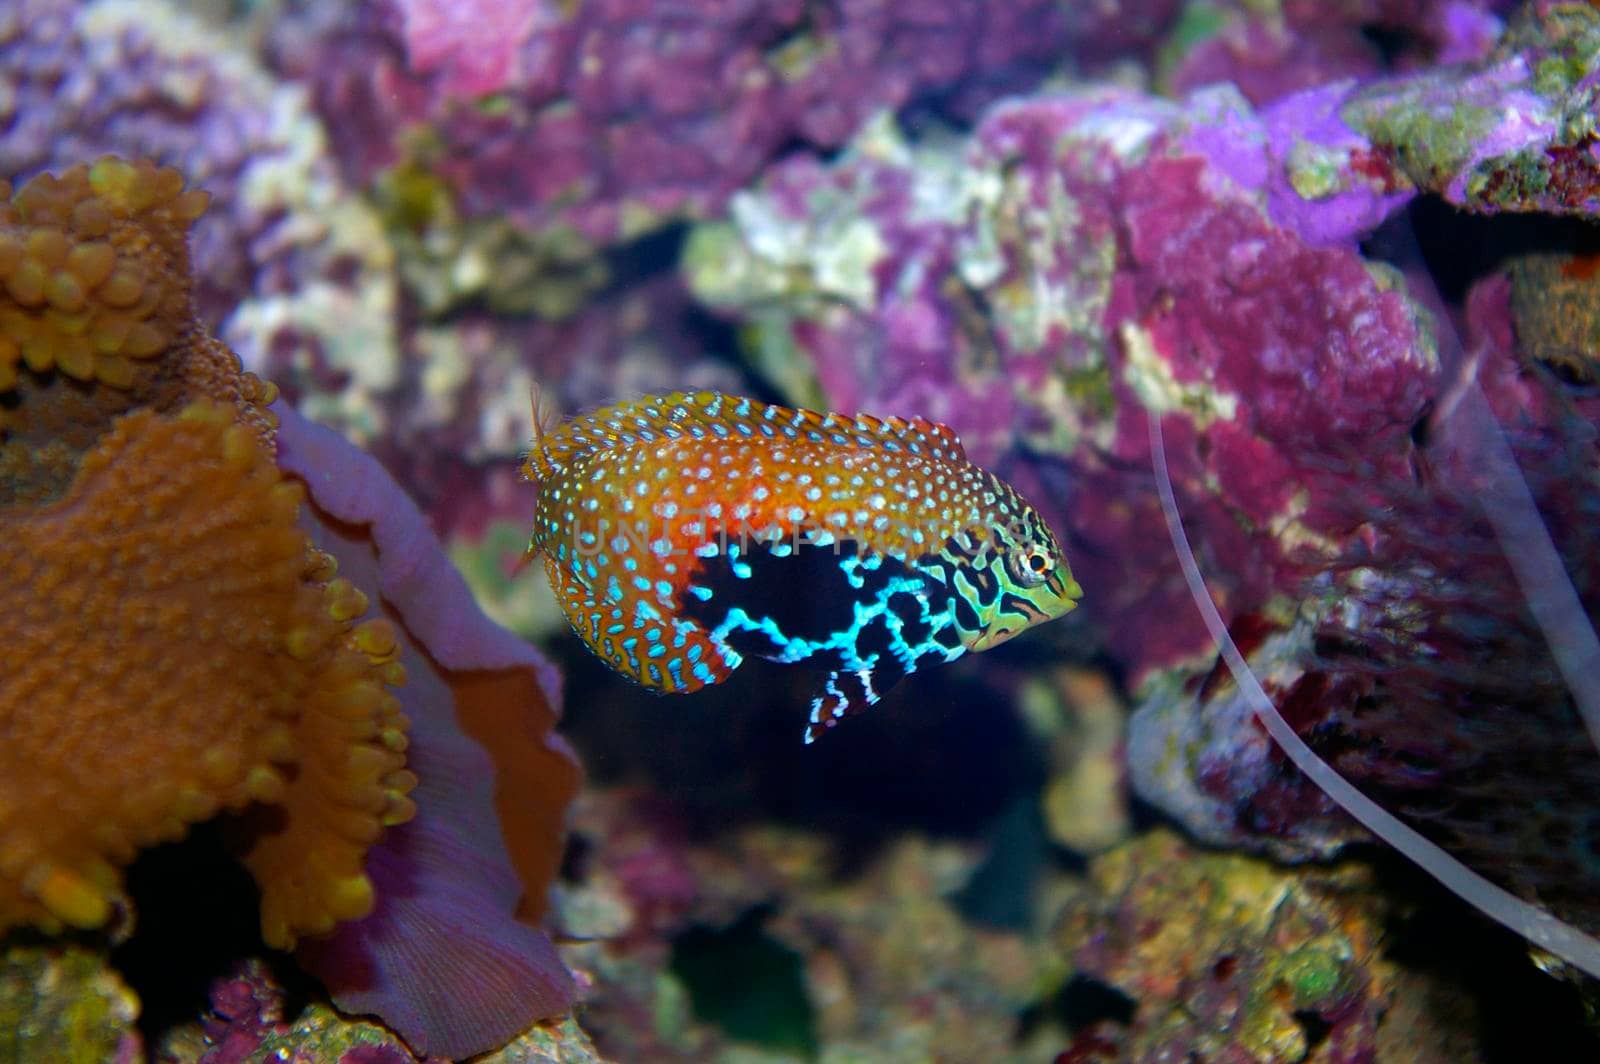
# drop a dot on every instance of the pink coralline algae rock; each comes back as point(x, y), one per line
point(451, 957)
point(1083, 258)
point(1416, 669)
point(606, 118)
point(1270, 51)
point(1086, 259)
point(1513, 132)
point(1196, 752)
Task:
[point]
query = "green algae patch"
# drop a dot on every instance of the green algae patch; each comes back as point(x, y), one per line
point(1429, 142)
point(1313, 974)
point(1197, 23)
point(65, 1004)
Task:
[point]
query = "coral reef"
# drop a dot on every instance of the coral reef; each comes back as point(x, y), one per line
point(66, 999)
point(591, 124)
point(1555, 303)
point(884, 965)
point(1042, 284)
point(292, 271)
point(1269, 51)
point(456, 437)
point(1195, 752)
point(247, 1025)
point(423, 212)
point(450, 956)
point(246, 1022)
point(1514, 132)
point(1417, 667)
point(1156, 948)
point(226, 665)
point(396, 318)
point(1089, 256)
point(1228, 958)
point(223, 651)
point(1085, 804)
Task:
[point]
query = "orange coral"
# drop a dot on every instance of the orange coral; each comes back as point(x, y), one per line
point(175, 646)
point(96, 320)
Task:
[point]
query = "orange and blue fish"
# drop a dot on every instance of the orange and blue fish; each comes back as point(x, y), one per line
point(683, 533)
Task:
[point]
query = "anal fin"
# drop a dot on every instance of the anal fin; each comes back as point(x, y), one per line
point(846, 693)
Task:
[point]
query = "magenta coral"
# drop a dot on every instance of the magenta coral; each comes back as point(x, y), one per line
point(1232, 301)
point(1269, 52)
point(609, 117)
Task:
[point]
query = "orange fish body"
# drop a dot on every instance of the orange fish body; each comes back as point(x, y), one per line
point(683, 532)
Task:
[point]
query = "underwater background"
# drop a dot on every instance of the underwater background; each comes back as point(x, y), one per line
point(301, 761)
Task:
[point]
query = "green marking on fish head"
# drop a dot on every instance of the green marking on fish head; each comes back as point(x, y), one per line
point(1014, 579)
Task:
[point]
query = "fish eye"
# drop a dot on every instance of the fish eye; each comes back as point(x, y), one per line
point(1028, 565)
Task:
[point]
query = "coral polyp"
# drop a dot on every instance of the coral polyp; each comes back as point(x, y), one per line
point(180, 649)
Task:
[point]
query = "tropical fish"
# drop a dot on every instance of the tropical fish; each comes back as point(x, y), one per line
point(685, 532)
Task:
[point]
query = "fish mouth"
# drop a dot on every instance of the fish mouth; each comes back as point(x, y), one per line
point(1065, 588)
point(1058, 594)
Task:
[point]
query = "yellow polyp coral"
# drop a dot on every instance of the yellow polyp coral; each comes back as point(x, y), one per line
point(95, 317)
point(84, 301)
point(175, 647)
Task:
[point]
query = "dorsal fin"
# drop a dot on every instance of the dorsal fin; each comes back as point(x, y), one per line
point(585, 434)
point(675, 414)
point(535, 463)
point(936, 435)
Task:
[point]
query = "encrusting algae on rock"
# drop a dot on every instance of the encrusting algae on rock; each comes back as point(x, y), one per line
point(175, 646)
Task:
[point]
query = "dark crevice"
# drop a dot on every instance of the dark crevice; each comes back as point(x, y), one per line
point(1084, 1002)
point(1390, 42)
point(197, 915)
point(1460, 248)
point(747, 983)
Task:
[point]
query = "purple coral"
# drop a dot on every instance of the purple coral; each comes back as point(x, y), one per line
point(1234, 303)
point(1511, 132)
point(444, 959)
point(1272, 52)
point(609, 117)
